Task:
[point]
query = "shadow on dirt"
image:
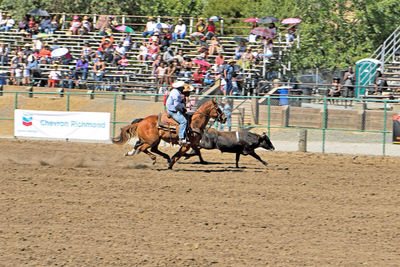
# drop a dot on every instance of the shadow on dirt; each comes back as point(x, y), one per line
point(199, 163)
point(203, 170)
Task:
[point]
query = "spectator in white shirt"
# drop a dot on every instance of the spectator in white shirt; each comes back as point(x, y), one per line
point(143, 52)
point(7, 24)
point(37, 44)
point(54, 77)
point(119, 52)
point(150, 27)
point(180, 30)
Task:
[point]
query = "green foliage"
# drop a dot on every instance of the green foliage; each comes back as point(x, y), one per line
point(333, 33)
point(170, 8)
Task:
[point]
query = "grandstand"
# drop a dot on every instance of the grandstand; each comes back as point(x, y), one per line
point(138, 77)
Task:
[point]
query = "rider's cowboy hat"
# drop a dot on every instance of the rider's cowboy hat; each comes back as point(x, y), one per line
point(178, 84)
point(188, 88)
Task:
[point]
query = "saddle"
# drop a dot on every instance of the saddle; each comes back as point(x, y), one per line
point(166, 122)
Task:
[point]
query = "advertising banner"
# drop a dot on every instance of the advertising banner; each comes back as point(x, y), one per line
point(56, 124)
point(396, 129)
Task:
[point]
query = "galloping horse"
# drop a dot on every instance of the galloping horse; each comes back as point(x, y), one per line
point(150, 134)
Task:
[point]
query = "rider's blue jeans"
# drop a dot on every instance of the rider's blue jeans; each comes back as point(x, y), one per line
point(178, 116)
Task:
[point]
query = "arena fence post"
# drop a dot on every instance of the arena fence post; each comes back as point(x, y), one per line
point(324, 120)
point(114, 113)
point(30, 91)
point(269, 117)
point(1, 90)
point(16, 101)
point(303, 140)
point(216, 124)
point(384, 128)
point(61, 91)
point(68, 95)
point(91, 94)
point(255, 108)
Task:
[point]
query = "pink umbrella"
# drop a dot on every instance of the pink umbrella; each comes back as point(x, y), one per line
point(202, 62)
point(124, 28)
point(262, 31)
point(291, 21)
point(251, 20)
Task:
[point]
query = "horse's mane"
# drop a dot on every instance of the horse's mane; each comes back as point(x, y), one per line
point(204, 106)
point(136, 121)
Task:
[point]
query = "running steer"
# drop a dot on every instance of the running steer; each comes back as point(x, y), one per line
point(236, 142)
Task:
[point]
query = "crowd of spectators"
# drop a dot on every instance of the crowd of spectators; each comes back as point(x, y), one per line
point(167, 63)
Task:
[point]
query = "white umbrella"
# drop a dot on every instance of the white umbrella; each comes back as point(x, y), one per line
point(59, 52)
point(291, 21)
point(214, 18)
point(162, 26)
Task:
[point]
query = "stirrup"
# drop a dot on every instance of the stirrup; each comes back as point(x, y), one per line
point(182, 142)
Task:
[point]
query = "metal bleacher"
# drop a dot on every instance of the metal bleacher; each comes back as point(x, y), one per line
point(137, 77)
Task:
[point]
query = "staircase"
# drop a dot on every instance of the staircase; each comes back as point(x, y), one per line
point(389, 55)
point(392, 73)
point(242, 112)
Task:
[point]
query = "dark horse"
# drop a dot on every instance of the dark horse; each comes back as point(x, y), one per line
point(150, 135)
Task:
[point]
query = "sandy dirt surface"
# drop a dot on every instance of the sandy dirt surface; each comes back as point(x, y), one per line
point(77, 204)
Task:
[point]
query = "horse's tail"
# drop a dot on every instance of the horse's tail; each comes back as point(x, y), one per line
point(127, 133)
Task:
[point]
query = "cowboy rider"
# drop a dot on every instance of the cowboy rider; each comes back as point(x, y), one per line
point(176, 108)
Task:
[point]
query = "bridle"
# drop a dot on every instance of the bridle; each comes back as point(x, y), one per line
point(217, 109)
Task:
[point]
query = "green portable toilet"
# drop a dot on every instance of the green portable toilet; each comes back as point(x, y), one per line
point(365, 74)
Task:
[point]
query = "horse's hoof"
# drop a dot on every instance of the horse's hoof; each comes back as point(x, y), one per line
point(126, 154)
point(265, 163)
point(154, 162)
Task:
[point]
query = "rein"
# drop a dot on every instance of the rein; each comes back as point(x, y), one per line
point(207, 115)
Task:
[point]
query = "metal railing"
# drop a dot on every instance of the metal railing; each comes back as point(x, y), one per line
point(363, 119)
point(385, 53)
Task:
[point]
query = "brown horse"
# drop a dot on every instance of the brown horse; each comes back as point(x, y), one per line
point(150, 135)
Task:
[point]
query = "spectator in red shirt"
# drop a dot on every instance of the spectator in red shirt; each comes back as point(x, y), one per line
point(198, 77)
point(45, 54)
point(210, 29)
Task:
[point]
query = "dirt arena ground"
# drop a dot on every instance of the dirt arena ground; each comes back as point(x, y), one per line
point(77, 204)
